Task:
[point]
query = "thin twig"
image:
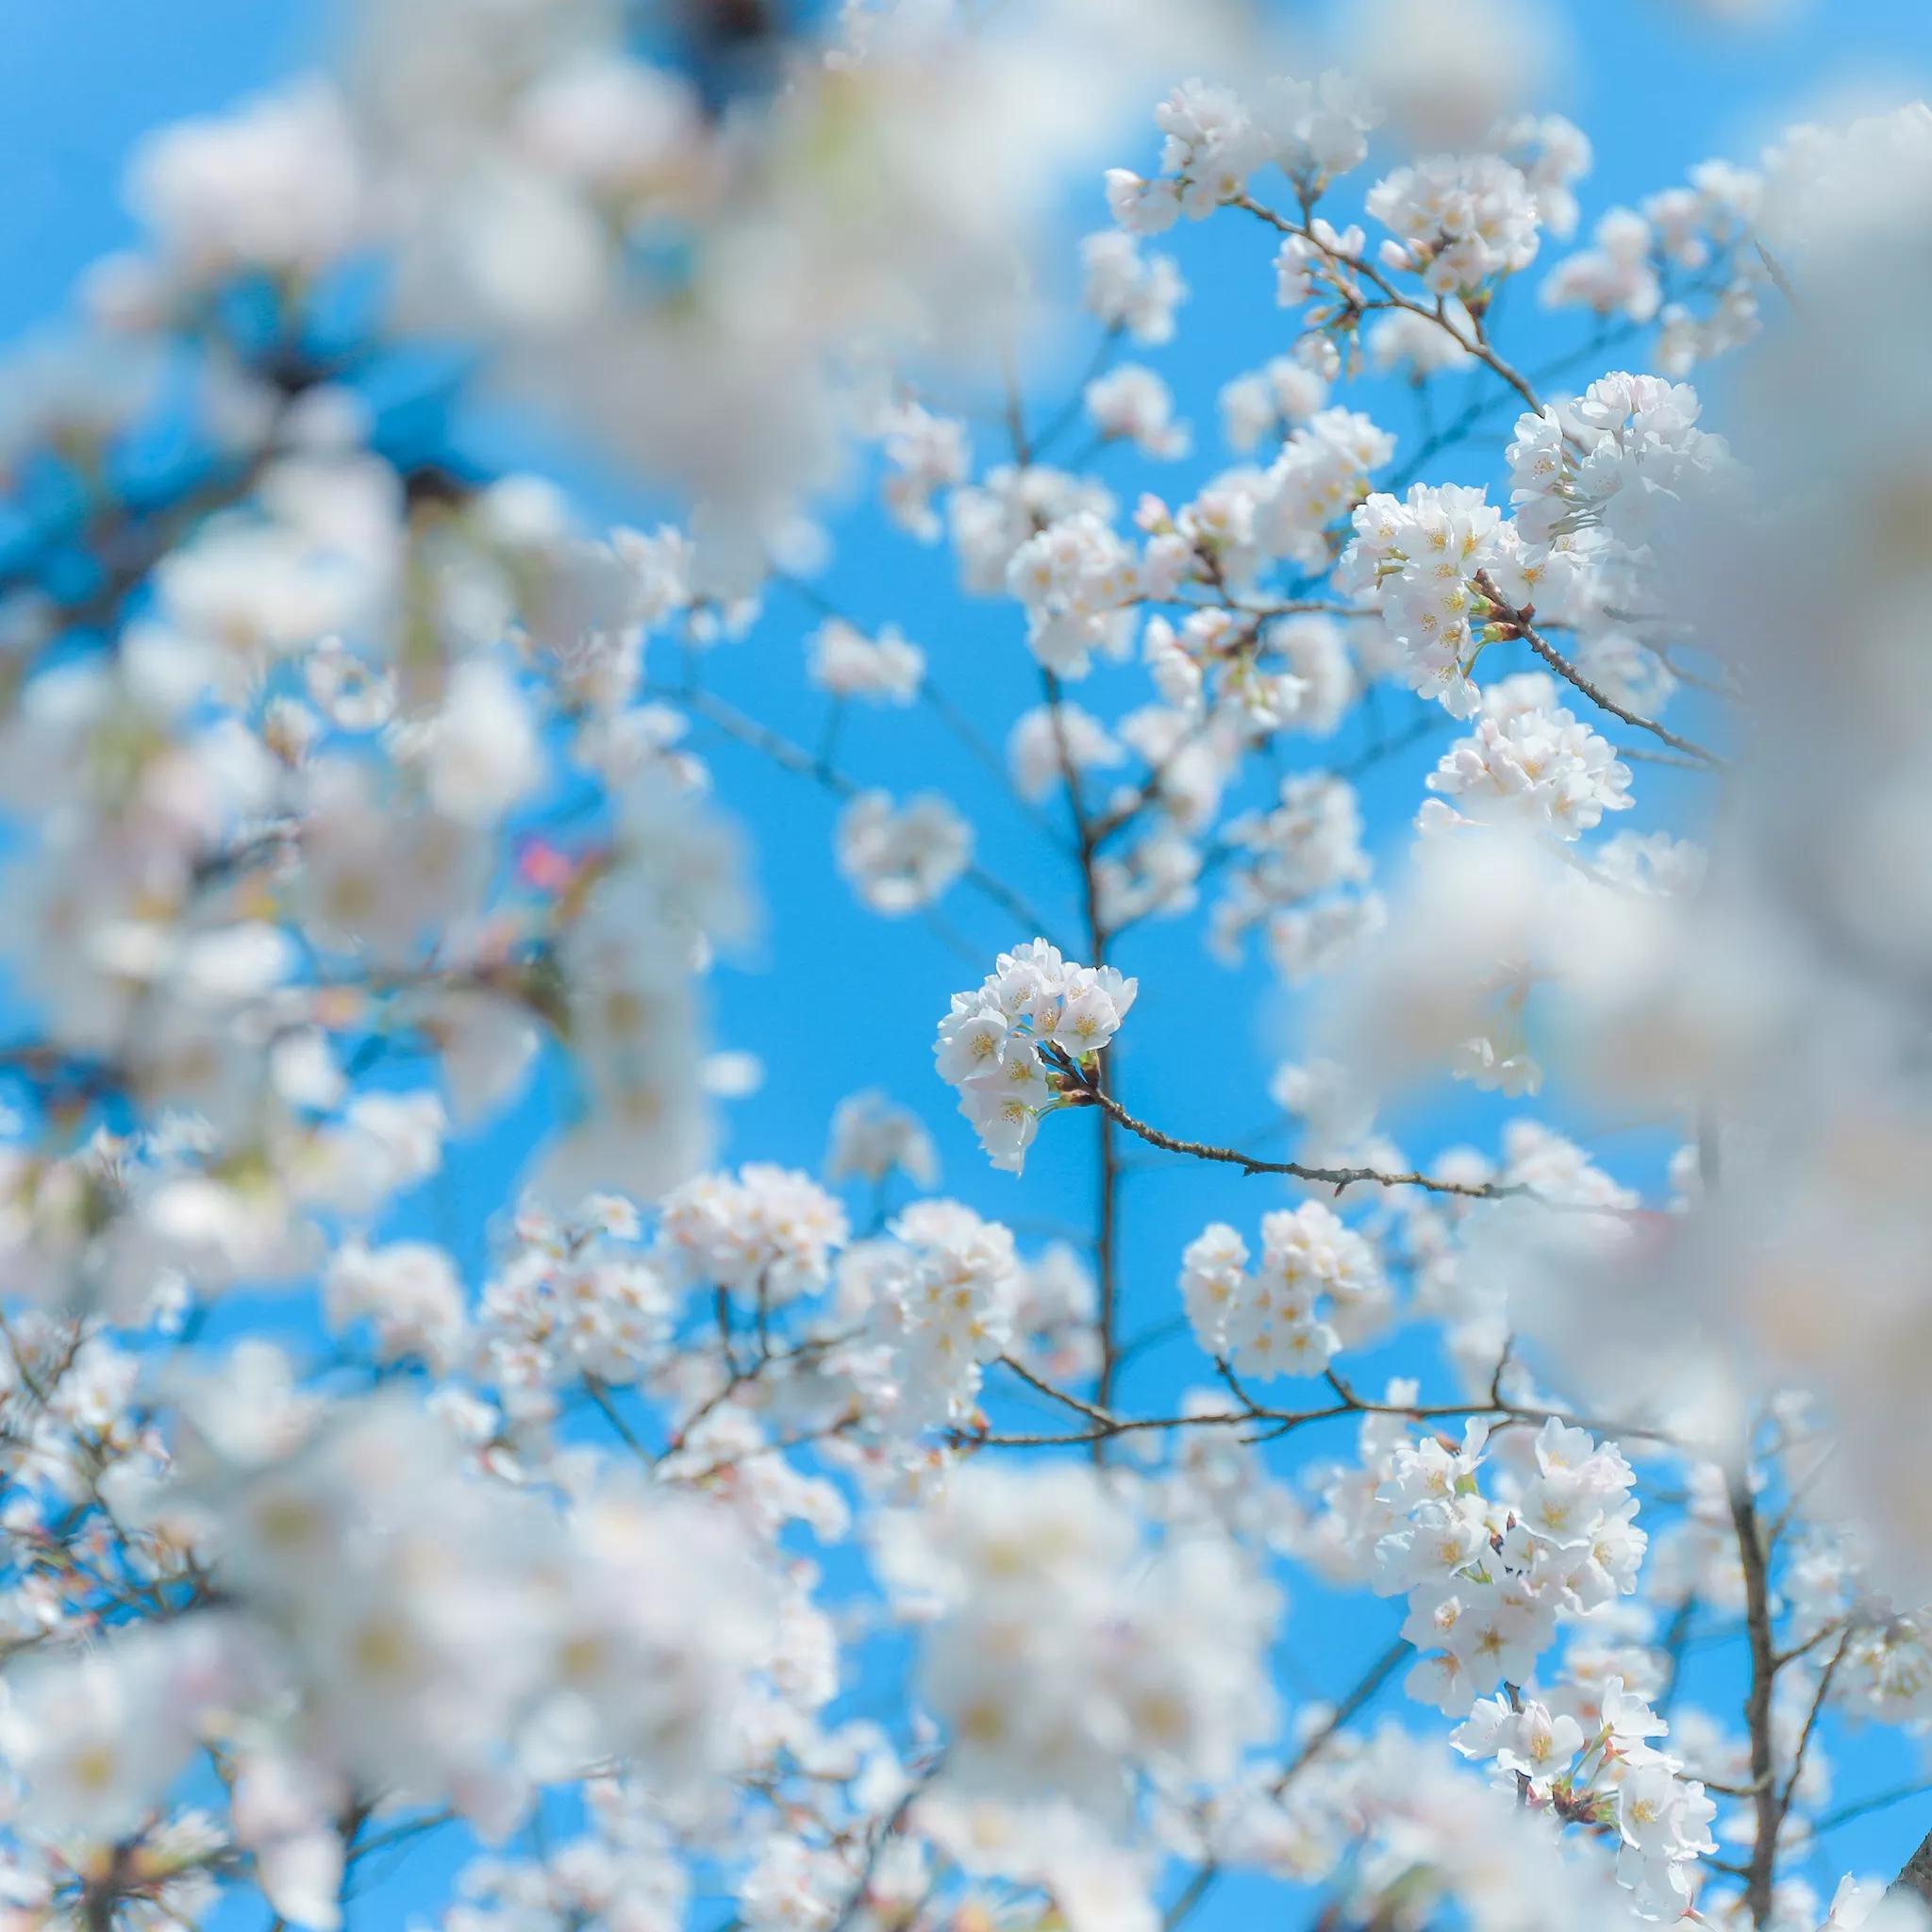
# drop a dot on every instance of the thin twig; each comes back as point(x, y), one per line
point(1507, 620)
point(1476, 345)
point(1811, 1716)
point(1106, 1424)
point(1340, 1178)
point(600, 1394)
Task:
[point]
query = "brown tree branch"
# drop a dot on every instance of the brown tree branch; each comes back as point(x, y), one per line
point(1917, 1877)
point(1761, 1874)
point(1085, 1091)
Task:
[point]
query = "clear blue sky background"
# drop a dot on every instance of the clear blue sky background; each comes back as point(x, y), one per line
point(831, 998)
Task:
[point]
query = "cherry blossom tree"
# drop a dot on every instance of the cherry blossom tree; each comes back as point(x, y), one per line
point(742, 1548)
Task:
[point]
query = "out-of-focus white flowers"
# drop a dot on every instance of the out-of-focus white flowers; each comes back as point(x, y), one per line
point(927, 453)
point(1215, 140)
point(1128, 290)
point(1079, 583)
point(1067, 1657)
point(872, 1136)
point(481, 753)
point(409, 1294)
point(280, 186)
point(690, 286)
point(1295, 865)
point(1254, 406)
point(902, 857)
point(1618, 462)
point(848, 664)
point(393, 1616)
point(765, 1235)
point(1051, 740)
point(1133, 403)
point(1446, 74)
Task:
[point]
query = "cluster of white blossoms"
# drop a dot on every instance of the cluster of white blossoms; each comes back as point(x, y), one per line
point(1321, 475)
point(764, 1234)
point(1529, 763)
point(1215, 141)
point(1616, 1775)
point(1068, 1656)
point(940, 1298)
point(1392, 1832)
point(1211, 146)
point(1489, 1579)
point(1324, 259)
point(246, 804)
point(571, 1297)
point(1554, 154)
point(1620, 459)
point(1705, 228)
point(624, 1868)
point(1295, 864)
point(1489, 1584)
point(1225, 680)
point(580, 208)
point(1421, 557)
point(329, 1666)
point(1616, 275)
point(1003, 1047)
point(409, 1294)
point(1460, 221)
point(1079, 583)
point(990, 520)
point(1312, 647)
point(927, 453)
point(1317, 1288)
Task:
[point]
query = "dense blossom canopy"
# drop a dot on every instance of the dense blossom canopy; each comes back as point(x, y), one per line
point(756, 1549)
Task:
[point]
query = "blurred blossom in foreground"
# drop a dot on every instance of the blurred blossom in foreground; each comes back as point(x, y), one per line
point(718, 294)
point(1446, 69)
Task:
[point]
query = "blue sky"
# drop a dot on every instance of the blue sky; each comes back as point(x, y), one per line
point(832, 999)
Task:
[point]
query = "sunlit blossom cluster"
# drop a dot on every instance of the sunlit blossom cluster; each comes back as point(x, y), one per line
point(1316, 1286)
point(1007, 1049)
